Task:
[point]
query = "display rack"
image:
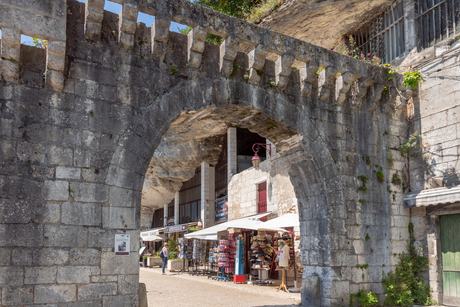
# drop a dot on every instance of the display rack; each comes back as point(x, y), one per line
point(262, 258)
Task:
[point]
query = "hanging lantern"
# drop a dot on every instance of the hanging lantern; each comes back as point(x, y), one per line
point(256, 161)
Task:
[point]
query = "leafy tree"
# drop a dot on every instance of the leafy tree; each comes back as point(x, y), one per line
point(236, 8)
point(40, 43)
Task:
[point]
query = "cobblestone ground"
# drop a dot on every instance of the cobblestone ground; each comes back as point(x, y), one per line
point(186, 290)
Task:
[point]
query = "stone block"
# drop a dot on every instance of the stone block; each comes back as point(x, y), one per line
point(83, 304)
point(55, 294)
point(120, 197)
point(56, 190)
point(65, 236)
point(89, 192)
point(5, 256)
point(119, 301)
point(17, 295)
point(50, 256)
point(22, 235)
point(104, 278)
point(30, 152)
point(40, 275)
point(128, 284)
point(76, 274)
point(39, 24)
point(68, 172)
point(85, 256)
point(15, 211)
point(60, 155)
point(120, 218)
point(11, 276)
point(21, 256)
point(118, 265)
point(96, 290)
point(84, 214)
point(49, 213)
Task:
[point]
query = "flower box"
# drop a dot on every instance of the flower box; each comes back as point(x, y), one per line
point(177, 265)
point(154, 261)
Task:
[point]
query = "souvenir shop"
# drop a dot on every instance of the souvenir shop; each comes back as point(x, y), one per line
point(245, 251)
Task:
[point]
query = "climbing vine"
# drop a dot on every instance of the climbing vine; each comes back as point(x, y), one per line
point(404, 286)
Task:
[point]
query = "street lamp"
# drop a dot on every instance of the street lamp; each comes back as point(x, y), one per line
point(255, 149)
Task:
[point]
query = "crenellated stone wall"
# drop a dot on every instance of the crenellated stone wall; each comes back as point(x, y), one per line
point(75, 151)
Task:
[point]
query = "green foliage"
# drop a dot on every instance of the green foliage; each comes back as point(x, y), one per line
point(234, 71)
point(209, 38)
point(410, 144)
point(173, 69)
point(364, 298)
point(362, 188)
point(262, 9)
point(396, 180)
point(172, 247)
point(367, 238)
point(193, 228)
point(363, 178)
point(236, 8)
point(412, 78)
point(368, 160)
point(362, 201)
point(320, 69)
point(404, 286)
point(380, 176)
point(348, 158)
point(391, 72)
point(362, 266)
point(272, 83)
point(352, 50)
point(40, 43)
point(386, 92)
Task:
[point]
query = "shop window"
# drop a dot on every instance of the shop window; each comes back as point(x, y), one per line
point(262, 199)
point(383, 37)
point(437, 21)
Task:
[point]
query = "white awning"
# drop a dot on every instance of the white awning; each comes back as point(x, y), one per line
point(152, 235)
point(287, 220)
point(431, 197)
point(249, 222)
point(208, 237)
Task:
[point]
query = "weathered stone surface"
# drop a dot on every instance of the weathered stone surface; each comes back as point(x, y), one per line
point(40, 275)
point(50, 256)
point(56, 190)
point(111, 264)
point(11, 276)
point(15, 211)
point(76, 274)
point(96, 291)
point(55, 294)
point(17, 295)
point(65, 236)
point(85, 256)
point(87, 192)
point(5, 256)
point(128, 284)
point(119, 300)
point(119, 218)
point(85, 214)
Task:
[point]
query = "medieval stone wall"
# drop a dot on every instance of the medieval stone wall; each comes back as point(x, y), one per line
point(74, 152)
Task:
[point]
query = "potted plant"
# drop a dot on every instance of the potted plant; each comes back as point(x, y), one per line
point(155, 260)
point(174, 263)
point(144, 261)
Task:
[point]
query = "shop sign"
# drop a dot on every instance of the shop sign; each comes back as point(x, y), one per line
point(175, 228)
point(221, 210)
point(121, 245)
point(170, 221)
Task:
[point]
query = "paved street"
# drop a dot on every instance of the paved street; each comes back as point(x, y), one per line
point(185, 290)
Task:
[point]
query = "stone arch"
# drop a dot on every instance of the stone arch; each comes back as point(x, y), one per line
point(313, 172)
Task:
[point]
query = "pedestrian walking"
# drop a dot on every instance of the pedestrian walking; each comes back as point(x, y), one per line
point(164, 255)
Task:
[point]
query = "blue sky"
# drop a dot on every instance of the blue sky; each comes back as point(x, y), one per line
point(116, 8)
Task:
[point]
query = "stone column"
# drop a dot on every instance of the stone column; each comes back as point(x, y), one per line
point(176, 209)
point(165, 214)
point(207, 194)
point(232, 165)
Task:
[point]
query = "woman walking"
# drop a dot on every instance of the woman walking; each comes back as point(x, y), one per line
point(164, 253)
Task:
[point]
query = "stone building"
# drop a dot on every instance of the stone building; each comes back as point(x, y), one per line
point(81, 120)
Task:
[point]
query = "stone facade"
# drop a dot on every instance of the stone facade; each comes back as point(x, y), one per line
point(75, 152)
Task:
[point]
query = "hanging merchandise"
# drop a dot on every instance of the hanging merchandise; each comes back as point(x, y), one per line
point(225, 258)
point(262, 257)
